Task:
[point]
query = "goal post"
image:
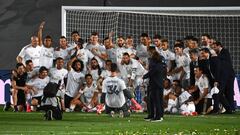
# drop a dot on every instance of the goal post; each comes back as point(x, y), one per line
point(222, 23)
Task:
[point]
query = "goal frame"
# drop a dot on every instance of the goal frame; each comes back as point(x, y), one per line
point(108, 9)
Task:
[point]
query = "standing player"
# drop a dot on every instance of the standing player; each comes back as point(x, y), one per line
point(31, 52)
point(142, 53)
point(113, 94)
point(168, 55)
point(46, 57)
point(63, 50)
point(98, 50)
point(75, 37)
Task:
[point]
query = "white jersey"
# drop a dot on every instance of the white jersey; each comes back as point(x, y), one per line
point(57, 75)
point(183, 61)
point(39, 84)
point(168, 56)
point(88, 92)
point(184, 96)
point(113, 87)
point(74, 81)
point(105, 73)
point(32, 74)
point(63, 53)
point(203, 83)
point(134, 70)
point(186, 51)
point(46, 58)
point(119, 53)
point(31, 53)
point(99, 49)
point(142, 53)
point(166, 91)
point(94, 73)
point(112, 54)
point(85, 56)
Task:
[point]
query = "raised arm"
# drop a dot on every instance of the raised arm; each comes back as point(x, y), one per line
point(40, 29)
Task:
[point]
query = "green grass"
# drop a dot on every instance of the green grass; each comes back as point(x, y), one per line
point(90, 123)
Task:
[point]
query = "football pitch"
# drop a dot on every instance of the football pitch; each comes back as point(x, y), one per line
point(93, 124)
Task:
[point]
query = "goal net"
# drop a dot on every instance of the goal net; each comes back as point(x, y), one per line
point(222, 23)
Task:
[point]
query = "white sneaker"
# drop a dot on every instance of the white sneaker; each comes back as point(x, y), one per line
point(121, 114)
point(68, 110)
point(157, 120)
point(112, 113)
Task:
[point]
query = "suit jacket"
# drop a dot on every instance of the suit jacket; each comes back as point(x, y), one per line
point(226, 62)
point(156, 74)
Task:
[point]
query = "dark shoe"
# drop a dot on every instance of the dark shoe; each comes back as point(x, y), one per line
point(15, 109)
point(214, 112)
point(148, 118)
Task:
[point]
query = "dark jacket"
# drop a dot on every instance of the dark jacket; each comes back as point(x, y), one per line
point(226, 62)
point(156, 74)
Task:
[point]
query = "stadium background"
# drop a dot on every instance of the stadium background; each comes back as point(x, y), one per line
point(20, 19)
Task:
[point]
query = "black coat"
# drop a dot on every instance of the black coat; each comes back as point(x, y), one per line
point(156, 74)
point(226, 62)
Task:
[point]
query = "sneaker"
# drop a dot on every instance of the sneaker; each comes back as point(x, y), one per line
point(193, 113)
point(68, 110)
point(7, 106)
point(99, 109)
point(121, 114)
point(28, 108)
point(157, 120)
point(112, 113)
point(148, 118)
point(49, 115)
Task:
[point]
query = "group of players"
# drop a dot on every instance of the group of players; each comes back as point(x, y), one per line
point(100, 75)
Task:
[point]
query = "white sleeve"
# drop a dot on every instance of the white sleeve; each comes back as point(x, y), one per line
point(30, 82)
point(186, 61)
point(205, 83)
point(122, 85)
point(22, 52)
point(104, 89)
point(171, 55)
point(102, 49)
point(89, 54)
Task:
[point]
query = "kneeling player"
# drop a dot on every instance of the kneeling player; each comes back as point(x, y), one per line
point(87, 98)
point(37, 85)
point(113, 94)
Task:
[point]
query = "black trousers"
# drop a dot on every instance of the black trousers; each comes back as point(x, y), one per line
point(203, 105)
point(220, 98)
point(156, 103)
point(67, 101)
point(229, 92)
